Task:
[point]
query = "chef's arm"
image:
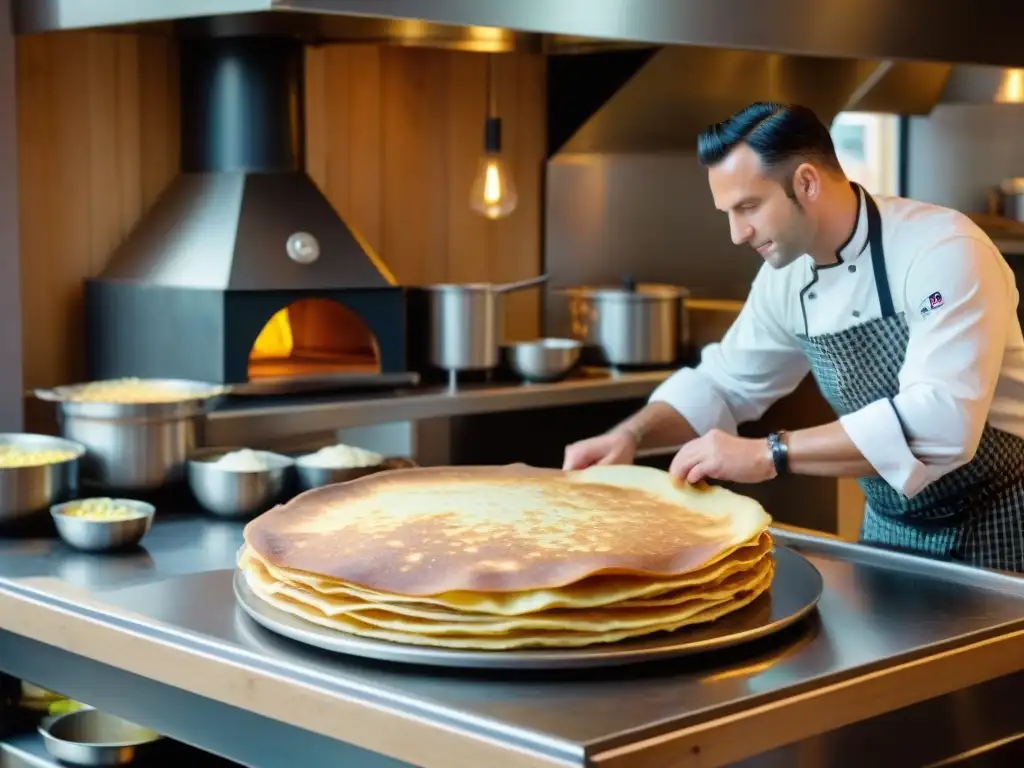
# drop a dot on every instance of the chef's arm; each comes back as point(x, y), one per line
point(756, 363)
point(658, 425)
point(826, 451)
point(934, 423)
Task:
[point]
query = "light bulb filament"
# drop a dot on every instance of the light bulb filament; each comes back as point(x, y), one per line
point(492, 183)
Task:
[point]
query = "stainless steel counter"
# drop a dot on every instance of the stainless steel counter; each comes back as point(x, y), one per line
point(265, 419)
point(155, 635)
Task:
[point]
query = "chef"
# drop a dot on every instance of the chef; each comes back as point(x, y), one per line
point(904, 313)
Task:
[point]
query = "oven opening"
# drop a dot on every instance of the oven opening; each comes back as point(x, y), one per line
point(313, 337)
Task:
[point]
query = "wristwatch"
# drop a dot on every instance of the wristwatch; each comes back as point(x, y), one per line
point(780, 452)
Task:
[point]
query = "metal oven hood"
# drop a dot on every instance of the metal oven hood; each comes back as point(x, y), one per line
point(677, 91)
point(704, 59)
point(958, 31)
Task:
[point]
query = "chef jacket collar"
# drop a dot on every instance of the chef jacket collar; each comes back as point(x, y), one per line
point(857, 243)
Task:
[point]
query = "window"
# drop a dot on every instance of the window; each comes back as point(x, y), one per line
point(868, 147)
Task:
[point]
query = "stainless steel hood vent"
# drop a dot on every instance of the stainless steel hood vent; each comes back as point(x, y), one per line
point(973, 84)
point(679, 90)
point(957, 31)
point(845, 55)
point(671, 93)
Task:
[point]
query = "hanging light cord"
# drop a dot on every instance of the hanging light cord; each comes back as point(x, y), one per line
point(492, 124)
point(492, 90)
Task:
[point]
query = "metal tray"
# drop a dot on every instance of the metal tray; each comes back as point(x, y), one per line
point(795, 591)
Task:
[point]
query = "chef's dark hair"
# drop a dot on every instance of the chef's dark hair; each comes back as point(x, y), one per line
point(778, 133)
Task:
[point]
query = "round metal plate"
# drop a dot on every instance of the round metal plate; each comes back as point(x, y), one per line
point(795, 592)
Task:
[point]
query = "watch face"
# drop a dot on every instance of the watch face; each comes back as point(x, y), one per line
point(779, 452)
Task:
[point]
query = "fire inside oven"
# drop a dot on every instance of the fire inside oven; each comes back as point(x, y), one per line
point(313, 338)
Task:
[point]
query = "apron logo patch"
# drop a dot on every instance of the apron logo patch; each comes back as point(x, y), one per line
point(933, 302)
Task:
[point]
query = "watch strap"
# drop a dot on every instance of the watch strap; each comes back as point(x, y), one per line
point(780, 452)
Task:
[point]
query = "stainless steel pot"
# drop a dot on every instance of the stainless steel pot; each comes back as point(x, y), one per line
point(91, 737)
point(465, 324)
point(642, 324)
point(135, 446)
point(1007, 199)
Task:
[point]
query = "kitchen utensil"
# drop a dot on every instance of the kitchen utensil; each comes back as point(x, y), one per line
point(543, 359)
point(233, 494)
point(28, 490)
point(91, 737)
point(91, 535)
point(635, 324)
point(312, 476)
point(465, 324)
point(135, 446)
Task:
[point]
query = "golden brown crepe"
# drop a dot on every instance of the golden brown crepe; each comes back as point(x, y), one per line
point(510, 557)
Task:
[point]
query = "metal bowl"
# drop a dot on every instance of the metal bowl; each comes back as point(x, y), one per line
point(311, 476)
point(543, 359)
point(103, 535)
point(232, 494)
point(27, 490)
point(91, 737)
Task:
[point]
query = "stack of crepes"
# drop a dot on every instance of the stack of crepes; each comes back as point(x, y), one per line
point(513, 557)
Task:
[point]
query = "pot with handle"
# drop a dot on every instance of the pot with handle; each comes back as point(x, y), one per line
point(465, 324)
point(635, 324)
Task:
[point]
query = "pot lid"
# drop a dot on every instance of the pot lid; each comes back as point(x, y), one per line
point(629, 291)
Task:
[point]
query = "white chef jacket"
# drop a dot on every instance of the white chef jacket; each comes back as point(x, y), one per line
point(964, 363)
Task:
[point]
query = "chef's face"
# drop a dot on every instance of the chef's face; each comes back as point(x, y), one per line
point(771, 211)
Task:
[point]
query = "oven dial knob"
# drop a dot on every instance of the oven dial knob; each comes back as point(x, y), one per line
point(302, 248)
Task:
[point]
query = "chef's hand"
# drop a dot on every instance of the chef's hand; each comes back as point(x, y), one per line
point(721, 456)
point(615, 447)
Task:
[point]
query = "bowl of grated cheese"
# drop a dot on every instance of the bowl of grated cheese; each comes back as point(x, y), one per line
point(340, 463)
point(237, 482)
point(102, 524)
point(36, 472)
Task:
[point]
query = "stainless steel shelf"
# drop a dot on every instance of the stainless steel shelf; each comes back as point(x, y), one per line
point(274, 420)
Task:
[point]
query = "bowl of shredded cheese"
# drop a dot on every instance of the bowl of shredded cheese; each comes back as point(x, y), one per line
point(102, 524)
point(36, 471)
point(340, 463)
point(237, 482)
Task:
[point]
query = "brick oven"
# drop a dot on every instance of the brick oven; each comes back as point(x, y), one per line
point(242, 272)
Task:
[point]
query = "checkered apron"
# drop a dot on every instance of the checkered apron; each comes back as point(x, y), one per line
point(974, 514)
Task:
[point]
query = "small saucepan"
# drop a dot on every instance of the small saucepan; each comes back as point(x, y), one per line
point(465, 323)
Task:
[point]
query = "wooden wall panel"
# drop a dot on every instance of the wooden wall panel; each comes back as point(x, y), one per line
point(393, 139)
point(97, 142)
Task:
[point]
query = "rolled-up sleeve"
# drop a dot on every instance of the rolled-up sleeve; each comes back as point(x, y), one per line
point(757, 362)
point(958, 300)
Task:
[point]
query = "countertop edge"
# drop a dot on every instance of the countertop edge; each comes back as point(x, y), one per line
point(728, 739)
point(377, 727)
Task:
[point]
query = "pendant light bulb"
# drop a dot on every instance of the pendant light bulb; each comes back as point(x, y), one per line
point(493, 193)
